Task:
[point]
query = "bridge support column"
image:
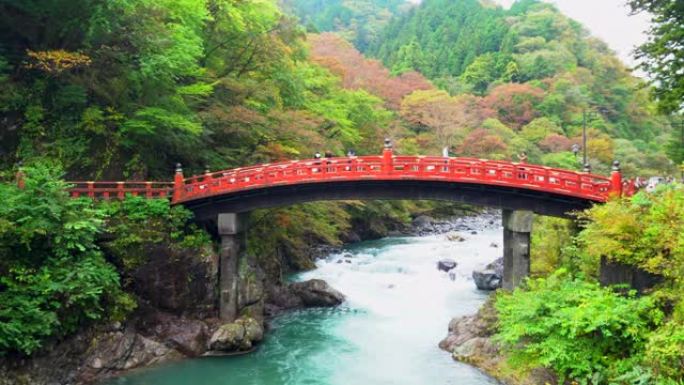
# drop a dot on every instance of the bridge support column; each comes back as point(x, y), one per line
point(517, 226)
point(231, 229)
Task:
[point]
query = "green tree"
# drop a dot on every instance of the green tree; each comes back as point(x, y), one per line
point(662, 55)
point(54, 279)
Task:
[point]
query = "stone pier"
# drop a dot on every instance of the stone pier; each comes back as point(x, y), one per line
point(517, 226)
point(231, 229)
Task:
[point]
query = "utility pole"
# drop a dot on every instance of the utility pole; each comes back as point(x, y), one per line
point(585, 116)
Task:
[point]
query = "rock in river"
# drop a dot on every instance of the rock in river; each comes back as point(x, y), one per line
point(316, 292)
point(487, 279)
point(237, 336)
point(446, 265)
point(491, 277)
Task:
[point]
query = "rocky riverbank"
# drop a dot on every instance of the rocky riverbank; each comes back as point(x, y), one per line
point(470, 340)
point(177, 314)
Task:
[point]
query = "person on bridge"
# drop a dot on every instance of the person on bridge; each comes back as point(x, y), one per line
point(317, 155)
point(522, 157)
point(445, 151)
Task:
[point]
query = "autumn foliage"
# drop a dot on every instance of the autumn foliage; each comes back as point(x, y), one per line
point(358, 72)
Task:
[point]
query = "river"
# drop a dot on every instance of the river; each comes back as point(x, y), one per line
point(397, 310)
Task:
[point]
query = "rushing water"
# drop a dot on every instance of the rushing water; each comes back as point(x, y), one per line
point(397, 310)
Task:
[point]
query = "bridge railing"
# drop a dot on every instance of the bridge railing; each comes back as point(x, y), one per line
point(465, 170)
point(119, 190)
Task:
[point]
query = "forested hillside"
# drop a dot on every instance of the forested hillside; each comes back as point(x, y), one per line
point(515, 80)
point(129, 88)
point(359, 21)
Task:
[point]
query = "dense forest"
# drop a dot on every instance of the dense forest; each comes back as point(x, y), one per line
point(507, 81)
point(359, 21)
point(127, 88)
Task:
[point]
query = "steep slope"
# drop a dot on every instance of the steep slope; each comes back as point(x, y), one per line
point(497, 58)
point(360, 21)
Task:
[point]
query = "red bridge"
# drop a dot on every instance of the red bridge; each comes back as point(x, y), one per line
point(218, 199)
point(508, 185)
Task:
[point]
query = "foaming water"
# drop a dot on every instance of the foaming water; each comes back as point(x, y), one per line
point(397, 310)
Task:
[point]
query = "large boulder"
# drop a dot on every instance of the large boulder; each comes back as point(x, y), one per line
point(446, 265)
point(317, 293)
point(240, 335)
point(491, 277)
point(188, 336)
point(487, 279)
point(423, 221)
point(179, 281)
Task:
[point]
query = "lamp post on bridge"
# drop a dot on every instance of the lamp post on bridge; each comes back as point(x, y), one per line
point(178, 184)
point(387, 156)
point(586, 167)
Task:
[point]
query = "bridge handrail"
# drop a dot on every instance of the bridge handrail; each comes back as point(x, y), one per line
point(466, 170)
point(117, 189)
point(359, 168)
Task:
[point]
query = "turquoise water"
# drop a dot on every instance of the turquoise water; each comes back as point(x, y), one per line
point(397, 310)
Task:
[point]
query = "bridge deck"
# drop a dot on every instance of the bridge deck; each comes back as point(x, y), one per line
point(386, 167)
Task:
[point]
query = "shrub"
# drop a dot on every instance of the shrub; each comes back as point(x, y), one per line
point(646, 231)
point(53, 277)
point(136, 223)
point(581, 331)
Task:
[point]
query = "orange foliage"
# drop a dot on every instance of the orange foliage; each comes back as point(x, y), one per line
point(357, 72)
point(557, 143)
point(447, 117)
point(56, 61)
point(514, 104)
point(481, 143)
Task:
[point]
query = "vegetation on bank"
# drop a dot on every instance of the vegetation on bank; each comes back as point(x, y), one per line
point(566, 322)
point(64, 261)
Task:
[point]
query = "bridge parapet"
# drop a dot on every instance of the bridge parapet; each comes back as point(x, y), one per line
point(385, 167)
point(419, 168)
point(119, 190)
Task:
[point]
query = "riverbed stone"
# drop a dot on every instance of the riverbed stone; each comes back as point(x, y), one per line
point(487, 279)
point(423, 221)
point(317, 293)
point(237, 336)
point(446, 265)
point(491, 277)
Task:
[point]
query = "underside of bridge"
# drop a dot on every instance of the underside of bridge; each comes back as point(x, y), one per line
point(504, 197)
point(226, 214)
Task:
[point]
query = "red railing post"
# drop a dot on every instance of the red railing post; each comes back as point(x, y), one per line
point(91, 189)
point(120, 193)
point(616, 180)
point(387, 158)
point(21, 183)
point(178, 184)
point(148, 189)
point(208, 180)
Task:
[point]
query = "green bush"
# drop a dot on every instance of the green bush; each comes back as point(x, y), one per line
point(53, 277)
point(665, 352)
point(646, 231)
point(135, 224)
point(581, 331)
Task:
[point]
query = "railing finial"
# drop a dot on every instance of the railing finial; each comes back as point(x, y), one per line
point(388, 143)
point(178, 184)
point(587, 168)
point(616, 180)
point(19, 176)
point(616, 165)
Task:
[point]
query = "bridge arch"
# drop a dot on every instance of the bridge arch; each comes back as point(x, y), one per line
point(520, 189)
